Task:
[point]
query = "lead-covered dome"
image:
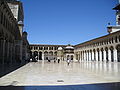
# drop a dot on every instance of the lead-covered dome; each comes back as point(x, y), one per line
point(60, 48)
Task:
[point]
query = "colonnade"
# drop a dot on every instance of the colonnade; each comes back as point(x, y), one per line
point(43, 55)
point(105, 54)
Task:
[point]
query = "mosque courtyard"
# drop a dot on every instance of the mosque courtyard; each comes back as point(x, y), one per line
point(44, 73)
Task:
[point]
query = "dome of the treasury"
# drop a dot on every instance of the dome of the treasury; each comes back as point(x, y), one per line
point(60, 48)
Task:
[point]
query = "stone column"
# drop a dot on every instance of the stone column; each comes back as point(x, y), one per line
point(10, 52)
point(100, 53)
point(8, 47)
point(104, 52)
point(89, 55)
point(79, 53)
point(92, 55)
point(13, 53)
point(115, 54)
point(96, 55)
point(42, 55)
point(109, 55)
point(80, 56)
point(6, 52)
point(3, 51)
point(38, 56)
point(74, 56)
point(84, 56)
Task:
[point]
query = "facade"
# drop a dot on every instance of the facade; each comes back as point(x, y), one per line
point(9, 35)
point(51, 52)
point(13, 41)
point(18, 12)
point(103, 49)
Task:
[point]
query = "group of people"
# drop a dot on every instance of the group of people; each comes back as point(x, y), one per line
point(58, 60)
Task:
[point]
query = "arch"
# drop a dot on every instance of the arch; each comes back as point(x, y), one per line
point(116, 39)
point(45, 53)
point(118, 52)
point(35, 55)
point(112, 54)
point(40, 56)
point(106, 49)
point(71, 57)
point(68, 57)
point(55, 53)
point(51, 53)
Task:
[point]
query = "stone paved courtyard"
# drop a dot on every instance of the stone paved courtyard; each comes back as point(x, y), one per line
point(49, 73)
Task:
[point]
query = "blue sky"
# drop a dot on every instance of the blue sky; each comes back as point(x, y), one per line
point(67, 21)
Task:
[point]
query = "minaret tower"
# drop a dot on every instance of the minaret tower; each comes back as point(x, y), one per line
point(112, 29)
point(117, 8)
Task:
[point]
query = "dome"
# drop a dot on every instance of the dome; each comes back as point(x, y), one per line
point(25, 32)
point(60, 48)
point(20, 22)
point(69, 47)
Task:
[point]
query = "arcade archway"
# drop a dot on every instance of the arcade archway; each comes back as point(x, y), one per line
point(40, 55)
point(118, 53)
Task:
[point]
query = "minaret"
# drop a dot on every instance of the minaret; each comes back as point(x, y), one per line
point(112, 29)
point(16, 7)
point(117, 8)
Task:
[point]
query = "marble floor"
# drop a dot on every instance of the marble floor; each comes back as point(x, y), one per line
point(49, 73)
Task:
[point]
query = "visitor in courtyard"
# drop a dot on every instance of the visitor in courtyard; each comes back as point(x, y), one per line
point(48, 60)
point(68, 62)
point(58, 60)
point(54, 60)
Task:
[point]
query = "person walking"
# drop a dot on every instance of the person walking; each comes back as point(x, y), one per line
point(58, 60)
point(68, 62)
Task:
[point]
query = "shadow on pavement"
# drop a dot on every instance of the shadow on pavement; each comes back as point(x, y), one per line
point(7, 68)
point(103, 86)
